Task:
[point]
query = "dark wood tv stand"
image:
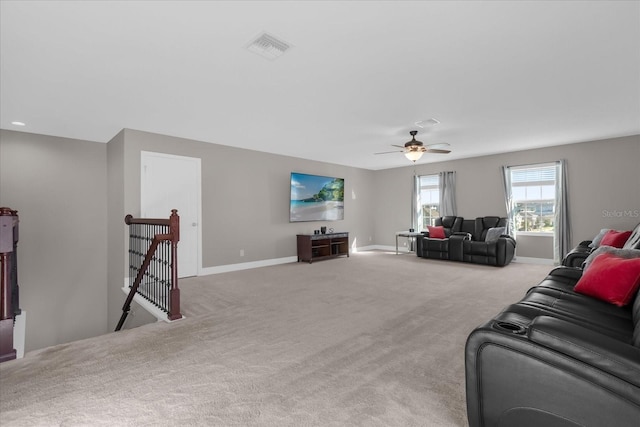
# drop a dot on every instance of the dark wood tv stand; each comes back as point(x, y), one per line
point(312, 247)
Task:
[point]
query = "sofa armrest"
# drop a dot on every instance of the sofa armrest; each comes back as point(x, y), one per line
point(575, 259)
point(593, 348)
point(420, 244)
point(505, 249)
point(508, 238)
point(572, 273)
point(456, 245)
point(578, 255)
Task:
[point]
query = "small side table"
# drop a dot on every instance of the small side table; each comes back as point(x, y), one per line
point(409, 235)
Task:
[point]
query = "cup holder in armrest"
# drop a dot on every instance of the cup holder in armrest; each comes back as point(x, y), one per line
point(509, 327)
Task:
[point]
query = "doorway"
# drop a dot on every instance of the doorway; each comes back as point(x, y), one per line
point(173, 182)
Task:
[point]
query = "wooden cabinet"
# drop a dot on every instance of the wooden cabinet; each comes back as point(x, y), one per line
point(312, 247)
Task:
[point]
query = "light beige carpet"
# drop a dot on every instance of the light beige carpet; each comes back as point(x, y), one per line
point(374, 340)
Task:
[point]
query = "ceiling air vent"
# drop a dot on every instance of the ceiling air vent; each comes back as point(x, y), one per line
point(426, 123)
point(268, 46)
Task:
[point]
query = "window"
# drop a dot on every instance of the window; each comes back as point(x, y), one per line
point(533, 191)
point(428, 200)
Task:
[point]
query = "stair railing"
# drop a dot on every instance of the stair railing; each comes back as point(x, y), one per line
point(153, 264)
point(9, 290)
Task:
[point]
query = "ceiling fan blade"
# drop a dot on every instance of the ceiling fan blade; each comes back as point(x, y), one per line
point(389, 152)
point(442, 145)
point(436, 151)
point(399, 146)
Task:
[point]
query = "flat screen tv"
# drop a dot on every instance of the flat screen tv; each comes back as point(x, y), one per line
point(316, 198)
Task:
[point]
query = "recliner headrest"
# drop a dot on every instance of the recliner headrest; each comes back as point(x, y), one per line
point(490, 221)
point(448, 221)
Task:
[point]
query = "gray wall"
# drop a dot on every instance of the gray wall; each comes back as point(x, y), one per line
point(603, 179)
point(245, 197)
point(58, 186)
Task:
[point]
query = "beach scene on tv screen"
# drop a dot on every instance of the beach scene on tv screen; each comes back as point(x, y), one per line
point(316, 198)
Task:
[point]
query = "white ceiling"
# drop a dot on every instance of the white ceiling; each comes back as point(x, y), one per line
point(499, 76)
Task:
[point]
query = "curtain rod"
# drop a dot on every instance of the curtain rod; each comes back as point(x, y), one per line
point(555, 162)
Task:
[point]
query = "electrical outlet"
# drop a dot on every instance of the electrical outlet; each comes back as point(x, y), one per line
point(241, 252)
point(369, 238)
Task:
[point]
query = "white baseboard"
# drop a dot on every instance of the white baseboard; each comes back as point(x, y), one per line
point(364, 249)
point(401, 249)
point(531, 260)
point(205, 271)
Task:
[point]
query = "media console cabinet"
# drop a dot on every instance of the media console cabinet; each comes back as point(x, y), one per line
point(312, 247)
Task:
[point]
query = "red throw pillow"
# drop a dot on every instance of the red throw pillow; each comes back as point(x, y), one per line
point(436, 232)
point(614, 238)
point(611, 279)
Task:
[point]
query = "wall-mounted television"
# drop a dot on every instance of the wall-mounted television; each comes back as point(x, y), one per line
point(316, 198)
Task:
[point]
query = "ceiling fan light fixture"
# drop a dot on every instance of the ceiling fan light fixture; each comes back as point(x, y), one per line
point(413, 155)
point(413, 150)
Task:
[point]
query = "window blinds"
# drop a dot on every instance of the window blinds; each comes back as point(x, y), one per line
point(539, 175)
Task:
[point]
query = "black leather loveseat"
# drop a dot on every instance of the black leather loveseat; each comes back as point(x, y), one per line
point(556, 358)
point(466, 240)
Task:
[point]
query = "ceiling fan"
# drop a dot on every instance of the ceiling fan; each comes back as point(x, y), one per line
point(414, 149)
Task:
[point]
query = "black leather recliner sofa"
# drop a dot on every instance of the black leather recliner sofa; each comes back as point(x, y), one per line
point(465, 241)
point(556, 358)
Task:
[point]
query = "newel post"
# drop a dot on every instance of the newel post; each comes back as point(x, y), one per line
point(174, 227)
point(8, 275)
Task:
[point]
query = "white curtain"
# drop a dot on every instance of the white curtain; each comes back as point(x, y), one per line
point(447, 186)
point(562, 233)
point(508, 201)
